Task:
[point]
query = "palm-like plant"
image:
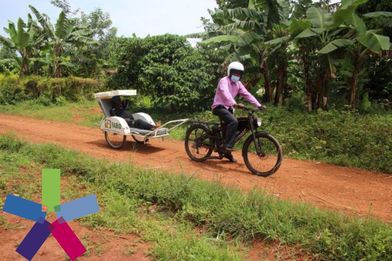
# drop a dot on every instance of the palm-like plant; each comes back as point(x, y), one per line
point(318, 32)
point(60, 35)
point(358, 42)
point(243, 31)
point(23, 38)
point(320, 36)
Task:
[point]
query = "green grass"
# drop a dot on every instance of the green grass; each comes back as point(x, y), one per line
point(171, 239)
point(83, 113)
point(223, 212)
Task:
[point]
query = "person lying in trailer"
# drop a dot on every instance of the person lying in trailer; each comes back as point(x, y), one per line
point(119, 108)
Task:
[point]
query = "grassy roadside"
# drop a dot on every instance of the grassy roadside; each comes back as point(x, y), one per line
point(224, 213)
point(83, 113)
point(171, 239)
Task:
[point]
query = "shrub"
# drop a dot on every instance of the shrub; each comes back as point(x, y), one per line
point(46, 90)
point(339, 137)
point(176, 76)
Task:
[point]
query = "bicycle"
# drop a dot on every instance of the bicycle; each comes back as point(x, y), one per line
point(204, 138)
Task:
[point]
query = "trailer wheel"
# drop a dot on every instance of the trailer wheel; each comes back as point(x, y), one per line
point(138, 139)
point(115, 140)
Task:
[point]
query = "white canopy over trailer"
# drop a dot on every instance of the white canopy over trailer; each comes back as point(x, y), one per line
point(116, 128)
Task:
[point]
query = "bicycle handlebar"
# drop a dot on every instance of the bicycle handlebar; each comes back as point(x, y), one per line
point(248, 109)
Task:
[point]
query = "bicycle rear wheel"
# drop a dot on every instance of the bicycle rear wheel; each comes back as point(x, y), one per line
point(269, 158)
point(198, 144)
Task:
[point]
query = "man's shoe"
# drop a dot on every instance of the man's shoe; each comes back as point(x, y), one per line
point(230, 157)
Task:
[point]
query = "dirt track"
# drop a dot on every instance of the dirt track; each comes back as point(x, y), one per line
point(343, 189)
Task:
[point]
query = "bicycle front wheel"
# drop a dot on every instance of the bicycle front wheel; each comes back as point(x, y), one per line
point(266, 160)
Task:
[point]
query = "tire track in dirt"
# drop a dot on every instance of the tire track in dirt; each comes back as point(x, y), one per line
point(351, 191)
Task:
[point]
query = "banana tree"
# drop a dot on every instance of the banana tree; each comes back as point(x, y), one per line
point(23, 38)
point(279, 55)
point(244, 31)
point(308, 35)
point(61, 35)
point(358, 42)
point(321, 32)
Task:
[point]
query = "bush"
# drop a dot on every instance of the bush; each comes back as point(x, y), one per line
point(14, 89)
point(343, 138)
point(8, 65)
point(176, 76)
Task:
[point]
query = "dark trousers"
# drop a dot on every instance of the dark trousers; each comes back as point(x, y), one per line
point(139, 123)
point(231, 122)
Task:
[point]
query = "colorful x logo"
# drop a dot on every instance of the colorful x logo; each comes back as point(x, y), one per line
point(42, 229)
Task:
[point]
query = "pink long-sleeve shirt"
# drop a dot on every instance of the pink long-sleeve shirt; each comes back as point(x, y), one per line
point(226, 92)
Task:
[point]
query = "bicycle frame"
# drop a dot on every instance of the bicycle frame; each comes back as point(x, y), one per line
point(222, 128)
point(210, 136)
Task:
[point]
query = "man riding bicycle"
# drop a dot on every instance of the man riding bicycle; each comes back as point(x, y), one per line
point(224, 103)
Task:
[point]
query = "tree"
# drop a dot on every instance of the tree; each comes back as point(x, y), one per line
point(6, 52)
point(383, 22)
point(90, 58)
point(243, 31)
point(59, 36)
point(300, 7)
point(65, 6)
point(319, 32)
point(230, 4)
point(176, 76)
point(359, 43)
point(23, 38)
point(7, 59)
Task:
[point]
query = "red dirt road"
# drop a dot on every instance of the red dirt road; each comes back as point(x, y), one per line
point(351, 191)
point(100, 245)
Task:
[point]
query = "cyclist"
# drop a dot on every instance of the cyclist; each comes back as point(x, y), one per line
point(224, 103)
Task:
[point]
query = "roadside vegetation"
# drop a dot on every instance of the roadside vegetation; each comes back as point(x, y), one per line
point(299, 58)
point(127, 194)
point(338, 137)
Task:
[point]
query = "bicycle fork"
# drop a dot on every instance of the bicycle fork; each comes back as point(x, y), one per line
point(258, 146)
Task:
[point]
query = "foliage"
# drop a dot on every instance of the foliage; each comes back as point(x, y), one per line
point(300, 7)
point(342, 138)
point(314, 34)
point(231, 3)
point(23, 38)
point(46, 90)
point(64, 5)
point(381, 22)
point(90, 60)
point(117, 213)
point(379, 85)
point(242, 31)
point(72, 46)
point(59, 35)
point(176, 76)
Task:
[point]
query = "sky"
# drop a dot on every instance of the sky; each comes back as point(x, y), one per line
point(142, 17)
